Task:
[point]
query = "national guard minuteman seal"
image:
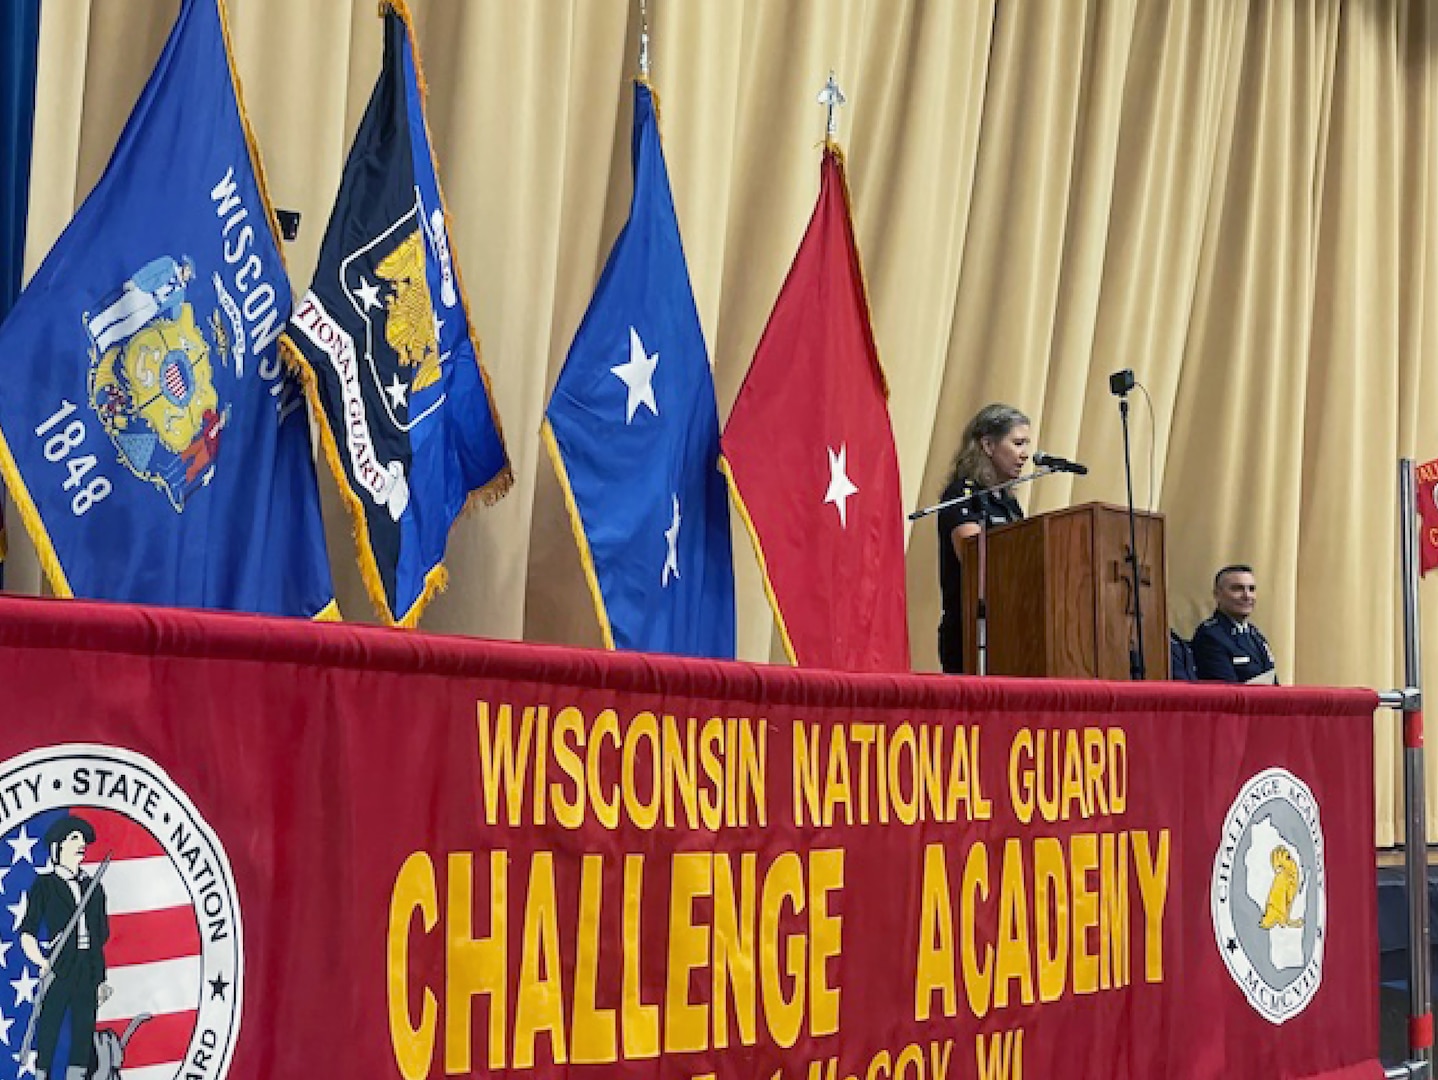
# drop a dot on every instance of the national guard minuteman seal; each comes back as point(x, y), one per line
point(120, 936)
point(1268, 894)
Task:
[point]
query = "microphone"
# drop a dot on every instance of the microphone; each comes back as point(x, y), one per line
point(1059, 464)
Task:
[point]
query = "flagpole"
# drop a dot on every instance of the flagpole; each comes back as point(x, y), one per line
point(644, 40)
point(831, 97)
point(1415, 834)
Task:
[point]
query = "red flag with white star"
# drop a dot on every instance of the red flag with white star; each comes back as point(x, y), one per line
point(810, 457)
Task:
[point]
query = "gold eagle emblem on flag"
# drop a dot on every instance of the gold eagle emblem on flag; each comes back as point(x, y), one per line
point(409, 323)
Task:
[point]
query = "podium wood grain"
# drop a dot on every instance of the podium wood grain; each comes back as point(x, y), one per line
point(1059, 595)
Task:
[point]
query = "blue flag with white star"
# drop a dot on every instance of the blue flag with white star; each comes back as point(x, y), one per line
point(155, 445)
point(633, 430)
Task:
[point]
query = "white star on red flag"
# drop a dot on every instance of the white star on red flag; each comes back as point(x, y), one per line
point(840, 486)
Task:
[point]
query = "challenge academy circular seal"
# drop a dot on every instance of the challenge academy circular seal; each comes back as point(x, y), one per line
point(1268, 894)
point(120, 936)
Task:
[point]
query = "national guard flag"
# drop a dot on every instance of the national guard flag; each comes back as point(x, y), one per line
point(633, 431)
point(388, 351)
point(156, 447)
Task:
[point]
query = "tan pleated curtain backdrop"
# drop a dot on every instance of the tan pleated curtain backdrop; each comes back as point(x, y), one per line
point(1237, 200)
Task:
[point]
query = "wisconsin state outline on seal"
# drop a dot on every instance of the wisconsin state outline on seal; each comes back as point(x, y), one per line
point(1268, 894)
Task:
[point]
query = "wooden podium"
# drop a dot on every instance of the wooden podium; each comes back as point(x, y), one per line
point(1060, 597)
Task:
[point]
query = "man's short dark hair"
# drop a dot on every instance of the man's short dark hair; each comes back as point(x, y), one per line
point(1232, 568)
point(63, 827)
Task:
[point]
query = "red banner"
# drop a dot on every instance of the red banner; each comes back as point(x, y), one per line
point(350, 852)
point(1426, 493)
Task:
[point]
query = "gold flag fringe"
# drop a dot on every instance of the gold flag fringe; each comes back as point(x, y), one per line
point(499, 486)
point(330, 612)
point(400, 9)
point(753, 532)
point(643, 80)
point(256, 162)
point(19, 494)
point(34, 524)
point(359, 525)
point(491, 493)
point(551, 446)
point(576, 525)
point(437, 580)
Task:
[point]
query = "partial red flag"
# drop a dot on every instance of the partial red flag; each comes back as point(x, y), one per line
point(810, 457)
point(1427, 493)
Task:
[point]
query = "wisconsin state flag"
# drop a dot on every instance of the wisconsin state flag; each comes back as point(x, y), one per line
point(633, 431)
point(811, 462)
point(156, 447)
point(388, 351)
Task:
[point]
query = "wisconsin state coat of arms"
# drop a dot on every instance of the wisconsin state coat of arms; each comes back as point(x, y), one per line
point(152, 382)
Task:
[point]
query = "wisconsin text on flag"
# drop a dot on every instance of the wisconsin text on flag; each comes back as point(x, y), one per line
point(633, 431)
point(388, 352)
point(156, 447)
point(811, 457)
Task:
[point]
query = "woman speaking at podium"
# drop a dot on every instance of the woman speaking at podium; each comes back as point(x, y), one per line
point(995, 449)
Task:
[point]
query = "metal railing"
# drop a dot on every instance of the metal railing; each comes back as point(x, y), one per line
point(1409, 701)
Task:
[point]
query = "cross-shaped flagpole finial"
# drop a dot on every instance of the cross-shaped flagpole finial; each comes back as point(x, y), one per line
point(830, 97)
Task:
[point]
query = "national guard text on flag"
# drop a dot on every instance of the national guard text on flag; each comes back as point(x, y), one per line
point(156, 447)
point(633, 431)
point(388, 351)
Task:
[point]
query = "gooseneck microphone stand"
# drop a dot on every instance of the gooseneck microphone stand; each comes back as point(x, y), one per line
point(981, 610)
point(1120, 383)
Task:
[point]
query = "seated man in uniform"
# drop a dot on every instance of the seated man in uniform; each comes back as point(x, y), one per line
point(1226, 646)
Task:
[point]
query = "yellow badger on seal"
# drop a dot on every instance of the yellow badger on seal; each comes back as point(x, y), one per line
point(1283, 892)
